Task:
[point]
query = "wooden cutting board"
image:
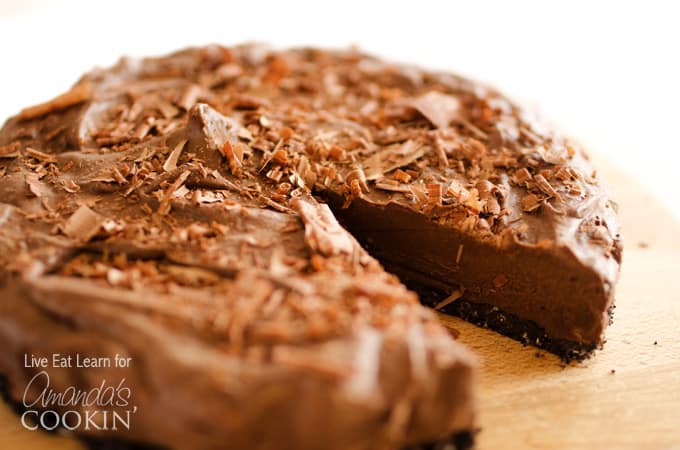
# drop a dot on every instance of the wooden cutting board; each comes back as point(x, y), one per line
point(626, 396)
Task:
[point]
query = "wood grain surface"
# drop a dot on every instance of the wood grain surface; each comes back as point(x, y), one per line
point(626, 397)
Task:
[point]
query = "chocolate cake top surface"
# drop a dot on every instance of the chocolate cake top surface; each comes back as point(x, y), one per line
point(342, 123)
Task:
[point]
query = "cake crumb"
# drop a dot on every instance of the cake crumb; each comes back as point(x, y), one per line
point(454, 332)
point(500, 281)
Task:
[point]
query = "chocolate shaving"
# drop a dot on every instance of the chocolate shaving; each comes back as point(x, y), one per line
point(234, 155)
point(210, 130)
point(10, 150)
point(434, 193)
point(118, 176)
point(530, 202)
point(474, 129)
point(474, 202)
point(189, 97)
point(164, 207)
point(401, 176)
point(391, 185)
point(337, 153)
point(487, 193)
point(356, 180)
point(83, 224)
point(304, 168)
point(166, 108)
point(200, 196)
point(33, 184)
point(171, 163)
point(459, 254)
point(71, 186)
point(393, 157)
point(522, 176)
point(440, 109)
point(544, 186)
point(455, 295)
point(78, 94)
point(457, 190)
point(555, 154)
point(323, 233)
point(274, 205)
point(37, 154)
point(441, 153)
point(117, 277)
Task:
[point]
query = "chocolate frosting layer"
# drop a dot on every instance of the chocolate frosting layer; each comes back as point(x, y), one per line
point(181, 193)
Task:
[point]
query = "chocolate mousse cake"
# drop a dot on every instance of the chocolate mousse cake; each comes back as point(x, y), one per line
point(249, 314)
point(187, 211)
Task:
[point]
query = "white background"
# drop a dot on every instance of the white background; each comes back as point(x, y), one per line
point(606, 72)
